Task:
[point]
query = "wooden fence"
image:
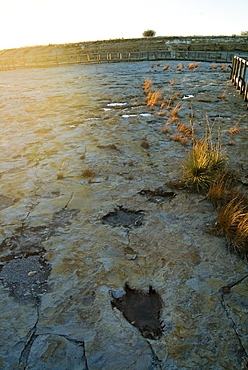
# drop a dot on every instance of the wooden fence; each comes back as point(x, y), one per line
point(239, 76)
point(57, 59)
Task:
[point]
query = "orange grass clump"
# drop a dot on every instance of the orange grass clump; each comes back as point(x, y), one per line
point(197, 65)
point(185, 130)
point(235, 129)
point(180, 66)
point(194, 66)
point(176, 137)
point(152, 98)
point(165, 67)
point(147, 85)
point(213, 66)
point(174, 112)
point(165, 129)
point(233, 221)
point(219, 191)
point(184, 141)
point(191, 66)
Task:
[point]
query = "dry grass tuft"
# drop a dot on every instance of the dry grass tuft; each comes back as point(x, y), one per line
point(60, 175)
point(184, 141)
point(223, 67)
point(203, 165)
point(235, 129)
point(213, 66)
point(223, 95)
point(153, 98)
point(147, 85)
point(144, 143)
point(176, 137)
point(165, 129)
point(187, 131)
point(193, 66)
point(174, 113)
point(233, 221)
point(165, 67)
point(221, 190)
point(180, 66)
point(87, 173)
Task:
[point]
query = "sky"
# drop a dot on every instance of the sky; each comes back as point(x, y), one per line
point(43, 22)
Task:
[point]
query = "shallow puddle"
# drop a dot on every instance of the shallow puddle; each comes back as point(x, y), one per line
point(142, 310)
point(123, 217)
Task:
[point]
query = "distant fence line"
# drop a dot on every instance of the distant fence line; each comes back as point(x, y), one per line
point(239, 76)
point(31, 61)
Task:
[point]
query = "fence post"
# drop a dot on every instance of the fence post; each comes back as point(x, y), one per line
point(236, 69)
point(238, 76)
point(242, 89)
point(232, 68)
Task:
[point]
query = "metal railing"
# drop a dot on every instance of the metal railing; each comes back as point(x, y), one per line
point(239, 75)
point(57, 59)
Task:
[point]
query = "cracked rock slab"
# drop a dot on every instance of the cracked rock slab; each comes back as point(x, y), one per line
point(26, 278)
point(56, 352)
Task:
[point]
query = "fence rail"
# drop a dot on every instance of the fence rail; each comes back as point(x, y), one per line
point(239, 76)
point(56, 59)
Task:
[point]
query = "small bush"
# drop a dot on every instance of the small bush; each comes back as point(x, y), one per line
point(149, 33)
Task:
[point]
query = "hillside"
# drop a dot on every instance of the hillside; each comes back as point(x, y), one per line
point(75, 52)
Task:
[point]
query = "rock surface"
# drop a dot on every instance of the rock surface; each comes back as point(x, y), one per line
point(71, 155)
